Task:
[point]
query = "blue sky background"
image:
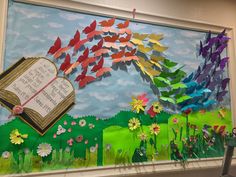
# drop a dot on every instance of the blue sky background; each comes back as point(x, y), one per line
point(31, 30)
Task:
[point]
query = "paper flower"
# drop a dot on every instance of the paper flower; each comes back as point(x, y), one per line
point(187, 111)
point(16, 137)
point(54, 135)
point(44, 149)
point(65, 122)
point(134, 124)
point(155, 109)
point(91, 126)
point(73, 123)
point(155, 129)
point(82, 122)
point(69, 130)
point(86, 142)
point(79, 139)
point(143, 136)
point(92, 149)
point(108, 147)
point(18, 109)
point(70, 142)
point(6, 154)
point(175, 120)
point(143, 98)
point(60, 130)
point(136, 105)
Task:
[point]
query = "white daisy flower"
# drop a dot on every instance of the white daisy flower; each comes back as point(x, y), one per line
point(82, 122)
point(5, 154)
point(93, 149)
point(44, 149)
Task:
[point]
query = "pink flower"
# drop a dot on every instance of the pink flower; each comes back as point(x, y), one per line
point(86, 142)
point(175, 120)
point(73, 123)
point(70, 142)
point(55, 135)
point(143, 98)
point(69, 130)
point(18, 109)
point(65, 122)
point(79, 138)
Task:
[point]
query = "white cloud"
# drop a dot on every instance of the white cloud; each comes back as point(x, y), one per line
point(81, 106)
point(177, 41)
point(71, 17)
point(29, 13)
point(192, 64)
point(103, 96)
point(35, 38)
point(55, 25)
point(190, 33)
point(53, 37)
point(36, 26)
point(122, 82)
point(184, 51)
point(101, 83)
point(123, 105)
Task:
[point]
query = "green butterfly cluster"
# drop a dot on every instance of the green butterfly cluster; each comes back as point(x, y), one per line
point(172, 90)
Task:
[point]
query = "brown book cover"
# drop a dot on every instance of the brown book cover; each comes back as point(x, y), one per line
point(34, 85)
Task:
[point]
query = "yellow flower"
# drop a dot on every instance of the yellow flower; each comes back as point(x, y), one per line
point(134, 123)
point(157, 108)
point(143, 136)
point(136, 105)
point(155, 129)
point(16, 137)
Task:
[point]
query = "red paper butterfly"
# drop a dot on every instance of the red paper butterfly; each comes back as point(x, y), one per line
point(98, 46)
point(100, 69)
point(83, 79)
point(123, 25)
point(107, 23)
point(90, 28)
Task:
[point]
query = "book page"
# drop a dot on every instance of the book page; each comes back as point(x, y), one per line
point(33, 79)
point(51, 96)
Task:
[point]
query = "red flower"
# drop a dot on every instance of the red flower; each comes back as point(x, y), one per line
point(151, 112)
point(187, 111)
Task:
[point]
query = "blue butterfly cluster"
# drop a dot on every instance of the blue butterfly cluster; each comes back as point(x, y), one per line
point(207, 85)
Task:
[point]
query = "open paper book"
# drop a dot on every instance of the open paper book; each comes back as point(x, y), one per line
point(34, 84)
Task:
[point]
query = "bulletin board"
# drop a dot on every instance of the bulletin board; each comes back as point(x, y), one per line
point(82, 90)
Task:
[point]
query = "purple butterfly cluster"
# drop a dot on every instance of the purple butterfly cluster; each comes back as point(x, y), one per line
point(207, 86)
point(212, 71)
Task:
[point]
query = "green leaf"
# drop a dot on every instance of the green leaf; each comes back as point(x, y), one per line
point(167, 93)
point(161, 81)
point(178, 85)
point(168, 99)
point(169, 64)
point(183, 98)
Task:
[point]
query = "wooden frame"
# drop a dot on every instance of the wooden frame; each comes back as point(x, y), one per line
point(164, 166)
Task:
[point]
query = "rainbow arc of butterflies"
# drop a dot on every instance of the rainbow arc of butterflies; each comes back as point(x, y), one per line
point(117, 42)
point(202, 89)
